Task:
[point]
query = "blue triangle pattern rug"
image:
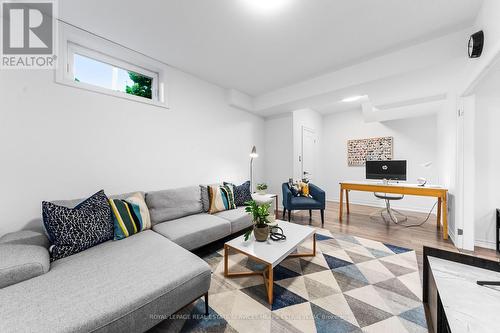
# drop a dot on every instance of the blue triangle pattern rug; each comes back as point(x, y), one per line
point(351, 285)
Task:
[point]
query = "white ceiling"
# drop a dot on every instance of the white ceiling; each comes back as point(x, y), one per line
point(225, 42)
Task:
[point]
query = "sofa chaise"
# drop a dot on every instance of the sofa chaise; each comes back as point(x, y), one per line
point(128, 285)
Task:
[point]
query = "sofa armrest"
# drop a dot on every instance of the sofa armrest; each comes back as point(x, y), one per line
point(26, 237)
point(22, 262)
point(317, 194)
point(287, 196)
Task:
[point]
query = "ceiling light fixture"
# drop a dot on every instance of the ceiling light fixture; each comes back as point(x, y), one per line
point(266, 6)
point(353, 98)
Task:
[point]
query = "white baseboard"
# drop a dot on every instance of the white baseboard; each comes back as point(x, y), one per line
point(485, 244)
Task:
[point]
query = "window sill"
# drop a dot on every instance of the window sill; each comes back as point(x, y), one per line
point(88, 87)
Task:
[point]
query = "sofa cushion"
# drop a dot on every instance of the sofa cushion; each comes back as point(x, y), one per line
point(238, 218)
point(192, 232)
point(72, 203)
point(72, 230)
point(20, 262)
point(173, 204)
point(305, 203)
point(116, 286)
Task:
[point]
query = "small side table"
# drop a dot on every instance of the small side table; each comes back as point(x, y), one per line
point(267, 197)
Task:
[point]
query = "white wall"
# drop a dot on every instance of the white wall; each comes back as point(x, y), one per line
point(278, 152)
point(486, 20)
point(414, 141)
point(314, 121)
point(487, 159)
point(58, 142)
point(446, 157)
point(478, 138)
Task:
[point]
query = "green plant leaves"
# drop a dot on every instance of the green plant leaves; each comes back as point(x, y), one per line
point(260, 213)
point(247, 234)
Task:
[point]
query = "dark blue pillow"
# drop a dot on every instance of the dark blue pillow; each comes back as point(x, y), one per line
point(242, 193)
point(72, 230)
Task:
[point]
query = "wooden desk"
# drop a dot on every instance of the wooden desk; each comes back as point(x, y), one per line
point(405, 189)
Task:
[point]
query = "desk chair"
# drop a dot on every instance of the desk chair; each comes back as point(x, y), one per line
point(388, 197)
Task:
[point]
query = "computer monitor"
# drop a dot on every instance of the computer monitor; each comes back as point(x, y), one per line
point(393, 170)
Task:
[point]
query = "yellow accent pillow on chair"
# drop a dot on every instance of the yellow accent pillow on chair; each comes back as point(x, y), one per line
point(304, 190)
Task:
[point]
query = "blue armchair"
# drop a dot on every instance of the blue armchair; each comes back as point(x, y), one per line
point(317, 202)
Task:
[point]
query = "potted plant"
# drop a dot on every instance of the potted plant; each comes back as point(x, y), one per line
point(261, 188)
point(260, 214)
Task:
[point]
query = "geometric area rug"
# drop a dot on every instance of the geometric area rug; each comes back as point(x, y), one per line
point(351, 285)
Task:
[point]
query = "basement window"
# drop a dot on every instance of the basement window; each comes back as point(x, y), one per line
point(100, 74)
point(90, 68)
point(92, 63)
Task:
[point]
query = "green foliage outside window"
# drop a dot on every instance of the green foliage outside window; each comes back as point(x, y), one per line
point(141, 86)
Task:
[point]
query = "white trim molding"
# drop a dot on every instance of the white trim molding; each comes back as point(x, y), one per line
point(75, 41)
point(485, 244)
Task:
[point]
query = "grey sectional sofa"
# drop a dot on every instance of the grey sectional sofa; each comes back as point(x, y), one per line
point(117, 286)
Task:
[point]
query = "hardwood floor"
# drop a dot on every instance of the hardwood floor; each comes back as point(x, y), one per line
point(359, 223)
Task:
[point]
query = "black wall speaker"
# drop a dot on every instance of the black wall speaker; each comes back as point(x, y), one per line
point(476, 42)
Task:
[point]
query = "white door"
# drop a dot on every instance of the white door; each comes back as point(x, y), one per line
point(309, 142)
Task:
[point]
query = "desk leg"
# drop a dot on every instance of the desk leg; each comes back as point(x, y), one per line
point(347, 201)
point(341, 203)
point(438, 222)
point(445, 217)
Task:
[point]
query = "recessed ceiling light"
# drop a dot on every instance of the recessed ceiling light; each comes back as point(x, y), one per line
point(266, 6)
point(353, 98)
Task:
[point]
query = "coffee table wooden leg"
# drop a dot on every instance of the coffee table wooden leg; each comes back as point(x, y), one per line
point(229, 274)
point(312, 254)
point(270, 283)
point(314, 244)
point(226, 253)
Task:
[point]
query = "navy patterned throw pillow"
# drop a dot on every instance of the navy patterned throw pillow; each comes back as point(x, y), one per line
point(242, 193)
point(72, 230)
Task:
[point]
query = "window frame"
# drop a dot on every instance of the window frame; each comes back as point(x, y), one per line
point(74, 49)
point(74, 41)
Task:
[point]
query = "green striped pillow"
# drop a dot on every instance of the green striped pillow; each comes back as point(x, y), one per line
point(127, 218)
point(221, 198)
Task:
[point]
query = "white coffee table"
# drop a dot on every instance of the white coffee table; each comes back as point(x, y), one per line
point(270, 252)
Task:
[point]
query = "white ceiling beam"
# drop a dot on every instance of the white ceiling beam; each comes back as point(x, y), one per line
point(414, 58)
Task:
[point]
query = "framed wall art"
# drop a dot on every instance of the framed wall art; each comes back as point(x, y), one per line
point(372, 149)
